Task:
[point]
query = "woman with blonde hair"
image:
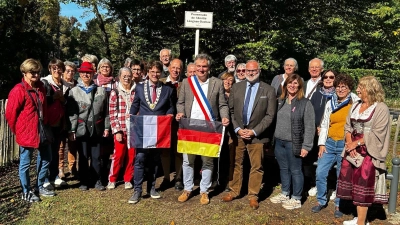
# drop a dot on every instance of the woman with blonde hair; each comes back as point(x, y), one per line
point(367, 136)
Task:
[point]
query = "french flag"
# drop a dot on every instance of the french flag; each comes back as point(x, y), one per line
point(150, 131)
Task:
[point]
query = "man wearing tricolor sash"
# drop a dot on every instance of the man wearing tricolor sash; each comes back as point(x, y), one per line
point(201, 97)
point(252, 105)
point(151, 98)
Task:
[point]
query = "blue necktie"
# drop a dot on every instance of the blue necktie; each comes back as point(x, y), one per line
point(246, 105)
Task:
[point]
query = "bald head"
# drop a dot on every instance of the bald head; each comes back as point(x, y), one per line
point(175, 69)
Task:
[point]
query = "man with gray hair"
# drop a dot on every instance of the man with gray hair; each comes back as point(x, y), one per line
point(230, 64)
point(165, 58)
point(315, 67)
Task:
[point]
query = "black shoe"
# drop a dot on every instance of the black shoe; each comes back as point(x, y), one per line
point(317, 208)
point(179, 186)
point(44, 192)
point(99, 186)
point(83, 187)
point(337, 213)
point(165, 184)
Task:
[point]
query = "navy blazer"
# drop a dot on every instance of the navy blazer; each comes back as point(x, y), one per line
point(166, 103)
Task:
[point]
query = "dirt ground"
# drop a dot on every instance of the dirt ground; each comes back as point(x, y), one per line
point(94, 207)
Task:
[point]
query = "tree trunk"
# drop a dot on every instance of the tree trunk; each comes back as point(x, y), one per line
point(103, 29)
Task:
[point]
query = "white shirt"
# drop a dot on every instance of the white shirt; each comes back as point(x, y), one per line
point(169, 80)
point(196, 112)
point(310, 86)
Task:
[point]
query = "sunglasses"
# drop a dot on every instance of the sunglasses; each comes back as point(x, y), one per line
point(241, 71)
point(330, 77)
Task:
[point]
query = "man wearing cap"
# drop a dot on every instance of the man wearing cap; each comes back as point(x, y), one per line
point(230, 64)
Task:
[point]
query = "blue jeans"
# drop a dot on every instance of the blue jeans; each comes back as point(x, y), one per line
point(153, 158)
point(188, 172)
point(42, 165)
point(290, 168)
point(334, 150)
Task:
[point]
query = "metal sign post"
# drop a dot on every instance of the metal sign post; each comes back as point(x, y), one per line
point(198, 20)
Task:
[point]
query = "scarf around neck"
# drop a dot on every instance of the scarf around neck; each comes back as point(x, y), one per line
point(102, 80)
point(335, 105)
point(88, 89)
point(328, 92)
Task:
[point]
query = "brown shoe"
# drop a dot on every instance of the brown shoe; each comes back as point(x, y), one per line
point(228, 197)
point(184, 196)
point(253, 203)
point(204, 200)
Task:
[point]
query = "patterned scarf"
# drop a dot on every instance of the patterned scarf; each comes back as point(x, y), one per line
point(86, 89)
point(327, 92)
point(102, 80)
point(335, 105)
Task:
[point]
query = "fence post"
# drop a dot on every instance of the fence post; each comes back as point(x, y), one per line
point(394, 185)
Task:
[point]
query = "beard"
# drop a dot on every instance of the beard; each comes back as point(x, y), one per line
point(252, 79)
point(231, 69)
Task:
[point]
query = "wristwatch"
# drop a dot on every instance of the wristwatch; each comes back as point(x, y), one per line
point(358, 143)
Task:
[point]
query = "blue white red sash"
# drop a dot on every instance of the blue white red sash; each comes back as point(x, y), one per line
point(201, 98)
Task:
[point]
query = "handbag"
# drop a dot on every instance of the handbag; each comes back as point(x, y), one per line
point(45, 133)
point(356, 161)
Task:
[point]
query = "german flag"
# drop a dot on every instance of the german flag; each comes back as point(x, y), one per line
point(200, 137)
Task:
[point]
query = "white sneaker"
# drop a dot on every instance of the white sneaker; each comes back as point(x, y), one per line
point(352, 222)
point(48, 186)
point(292, 204)
point(128, 185)
point(59, 182)
point(111, 185)
point(333, 196)
point(279, 198)
point(312, 191)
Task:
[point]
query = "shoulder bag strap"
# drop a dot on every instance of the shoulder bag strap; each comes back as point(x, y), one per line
point(38, 102)
point(312, 90)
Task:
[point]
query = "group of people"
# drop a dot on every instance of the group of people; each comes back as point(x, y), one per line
point(321, 116)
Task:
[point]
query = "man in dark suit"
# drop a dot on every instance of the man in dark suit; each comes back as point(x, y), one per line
point(253, 107)
point(188, 106)
point(151, 98)
point(174, 80)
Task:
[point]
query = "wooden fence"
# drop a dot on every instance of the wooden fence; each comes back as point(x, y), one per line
point(9, 150)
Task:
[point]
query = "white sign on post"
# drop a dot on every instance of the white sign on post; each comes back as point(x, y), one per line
point(199, 20)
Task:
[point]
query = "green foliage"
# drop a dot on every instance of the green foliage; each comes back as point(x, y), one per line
point(390, 79)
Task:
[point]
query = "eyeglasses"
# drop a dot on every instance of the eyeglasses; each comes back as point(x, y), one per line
point(69, 71)
point(154, 72)
point(128, 76)
point(342, 88)
point(33, 72)
point(330, 77)
point(56, 68)
point(240, 70)
point(135, 69)
point(315, 67)
point(105, 67)
point(252, 71)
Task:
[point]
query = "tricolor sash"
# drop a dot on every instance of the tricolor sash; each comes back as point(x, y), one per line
point(201, 98)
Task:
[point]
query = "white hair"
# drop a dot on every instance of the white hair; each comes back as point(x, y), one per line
point(166, 49)
point(296, 66)
point(320, 61)
point(230, 58)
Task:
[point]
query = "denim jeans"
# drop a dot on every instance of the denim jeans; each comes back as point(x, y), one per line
point(42, 165)
point(290, 168)
point(151, 158)
point(334, 150)
point(188, 172)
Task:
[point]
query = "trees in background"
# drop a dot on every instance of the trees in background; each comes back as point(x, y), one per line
point(346, 34)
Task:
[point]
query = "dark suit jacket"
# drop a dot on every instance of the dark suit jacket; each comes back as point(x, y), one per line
point(164, 80)
point(263, 113)
point(215, 96)
point(165, 105)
